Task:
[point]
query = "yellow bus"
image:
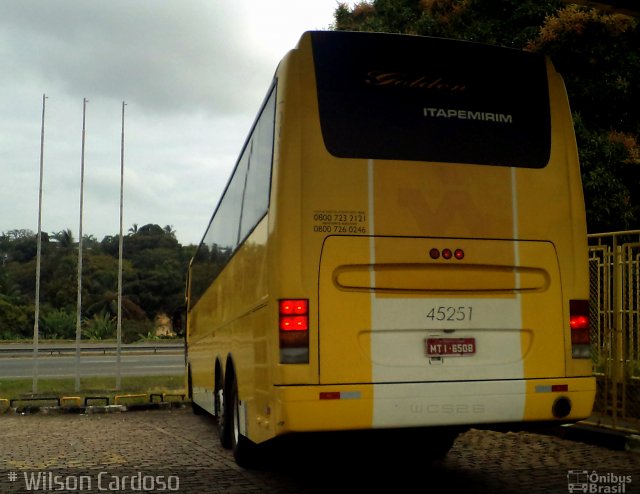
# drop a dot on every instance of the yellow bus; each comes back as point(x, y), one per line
point(401, 245)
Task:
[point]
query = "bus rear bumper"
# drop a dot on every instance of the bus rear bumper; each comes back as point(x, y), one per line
point(352, 407)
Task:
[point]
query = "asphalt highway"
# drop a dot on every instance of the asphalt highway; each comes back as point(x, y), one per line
point(143, 364)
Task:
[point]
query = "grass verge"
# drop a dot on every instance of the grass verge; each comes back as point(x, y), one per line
point(92, 386)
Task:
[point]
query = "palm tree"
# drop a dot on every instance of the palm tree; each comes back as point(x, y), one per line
point(108, 304)
point(65, 239)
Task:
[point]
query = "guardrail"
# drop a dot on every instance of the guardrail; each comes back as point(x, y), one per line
point(13, 349)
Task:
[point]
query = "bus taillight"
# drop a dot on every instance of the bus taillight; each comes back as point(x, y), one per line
point(294, 306)
point(580, 328)
point(294, 331)
point(446, 254)
point(294, 323)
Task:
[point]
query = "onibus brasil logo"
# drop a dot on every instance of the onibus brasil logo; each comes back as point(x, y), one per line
point(586, 481)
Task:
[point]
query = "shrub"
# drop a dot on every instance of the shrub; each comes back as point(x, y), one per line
point(99, 327)
point(58, 324)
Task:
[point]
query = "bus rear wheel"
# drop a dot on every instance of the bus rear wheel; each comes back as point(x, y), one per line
point(222, 416)
point(244, 450)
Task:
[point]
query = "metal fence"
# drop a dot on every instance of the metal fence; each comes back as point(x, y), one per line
point(614, 265)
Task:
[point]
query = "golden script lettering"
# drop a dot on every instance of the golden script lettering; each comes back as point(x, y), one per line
point(377, 78)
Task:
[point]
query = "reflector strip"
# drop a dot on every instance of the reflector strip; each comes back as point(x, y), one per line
point(339, 395)
point(554, 388)
point(330, 395)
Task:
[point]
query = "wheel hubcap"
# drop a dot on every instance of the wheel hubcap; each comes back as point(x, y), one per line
point(236, 417)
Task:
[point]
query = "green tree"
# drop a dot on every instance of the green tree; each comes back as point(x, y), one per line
point(107, 304)
point(65, 239)
point(597, 53)
point(21, 278)
point(160, 279)
point(503, 22)
point(59, 279)
point(154, 269)
point(610, 178)
point(20, 245)
point(15, 320)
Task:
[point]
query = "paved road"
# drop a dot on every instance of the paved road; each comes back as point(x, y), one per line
point(162, 364)
point(181, 450)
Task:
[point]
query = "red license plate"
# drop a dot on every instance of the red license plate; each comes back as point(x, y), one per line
point(449, 347)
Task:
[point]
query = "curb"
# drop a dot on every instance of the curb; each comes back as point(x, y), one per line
point(601, 436)
point(74, 404)
point(94, 409)
point(633, 443)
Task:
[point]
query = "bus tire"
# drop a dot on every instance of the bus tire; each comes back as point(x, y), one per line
point(223, 415)
point(440, 442)
point(218, 398)
point(245, 451)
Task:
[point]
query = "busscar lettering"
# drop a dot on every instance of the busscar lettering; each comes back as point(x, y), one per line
point(449, 113)
point(399, 79)
point(447, 408)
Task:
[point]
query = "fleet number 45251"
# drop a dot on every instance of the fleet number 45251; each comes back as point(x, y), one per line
point(450, 313)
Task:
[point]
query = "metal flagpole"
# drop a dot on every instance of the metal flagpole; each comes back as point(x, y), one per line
point(36, 327)
point(79, 303)
point(120, 250)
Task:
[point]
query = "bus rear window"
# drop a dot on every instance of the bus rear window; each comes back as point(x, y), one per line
point(384, 96)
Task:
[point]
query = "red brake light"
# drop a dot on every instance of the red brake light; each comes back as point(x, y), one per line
point(294, 315)
point(446, 253)
point(294, 331)
point(580, 328)
point(291, 307)
point(579, 315)
point(458, 254)
point(434, 253)
point(294, 323)
point(579, 322)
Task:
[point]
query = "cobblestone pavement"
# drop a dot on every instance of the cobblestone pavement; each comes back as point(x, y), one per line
point(174, 450)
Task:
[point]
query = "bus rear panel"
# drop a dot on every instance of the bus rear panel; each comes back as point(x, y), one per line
point(423, 259)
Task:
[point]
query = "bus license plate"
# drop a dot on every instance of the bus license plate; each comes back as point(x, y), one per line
point(449, 347)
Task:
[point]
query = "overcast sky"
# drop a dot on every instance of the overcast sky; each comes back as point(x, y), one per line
point(192, 73)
